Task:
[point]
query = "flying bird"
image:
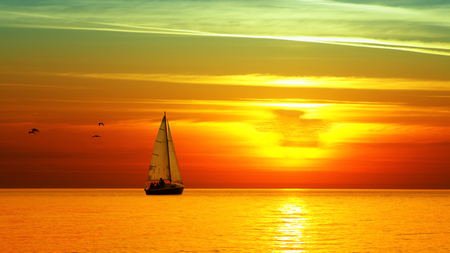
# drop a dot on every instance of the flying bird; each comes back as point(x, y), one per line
point(96, 136)
point(35, 130)
point(31, 132)
point(101, 124)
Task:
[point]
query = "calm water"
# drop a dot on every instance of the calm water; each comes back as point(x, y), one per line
point(205, 220)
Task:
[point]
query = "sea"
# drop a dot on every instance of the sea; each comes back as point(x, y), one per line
point(224, 220)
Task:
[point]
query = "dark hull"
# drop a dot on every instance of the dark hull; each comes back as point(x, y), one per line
point(165, 191)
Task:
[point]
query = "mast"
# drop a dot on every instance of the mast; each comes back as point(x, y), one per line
point(167, 139)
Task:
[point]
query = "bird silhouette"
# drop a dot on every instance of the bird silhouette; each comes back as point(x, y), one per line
point(35, 130)
point(96, 136)
point(31, 132)
point(101, 124)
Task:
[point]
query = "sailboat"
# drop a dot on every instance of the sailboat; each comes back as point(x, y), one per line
point(164, 165)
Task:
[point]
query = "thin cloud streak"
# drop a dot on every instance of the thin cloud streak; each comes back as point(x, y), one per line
point(277, 81)
point(41, 86)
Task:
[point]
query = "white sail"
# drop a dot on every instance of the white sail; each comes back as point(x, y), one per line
point(174, 169)
point(159, 165)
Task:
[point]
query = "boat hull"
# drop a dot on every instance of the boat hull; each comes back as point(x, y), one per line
point(167, 190)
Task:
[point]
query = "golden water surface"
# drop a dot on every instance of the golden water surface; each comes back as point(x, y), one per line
point(224, 220)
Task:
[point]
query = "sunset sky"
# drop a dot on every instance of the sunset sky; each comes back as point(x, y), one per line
point(283, 94)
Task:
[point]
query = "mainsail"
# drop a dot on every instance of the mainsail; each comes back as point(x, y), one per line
point(159, 165)
point(164, 162)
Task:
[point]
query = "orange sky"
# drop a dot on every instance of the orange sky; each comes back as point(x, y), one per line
point(259, 107)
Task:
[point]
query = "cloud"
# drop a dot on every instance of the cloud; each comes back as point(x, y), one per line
point(296, 130)
point(264, 80)
point(300, 143)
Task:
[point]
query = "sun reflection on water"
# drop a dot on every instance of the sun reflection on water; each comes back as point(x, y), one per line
point(290, 235)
